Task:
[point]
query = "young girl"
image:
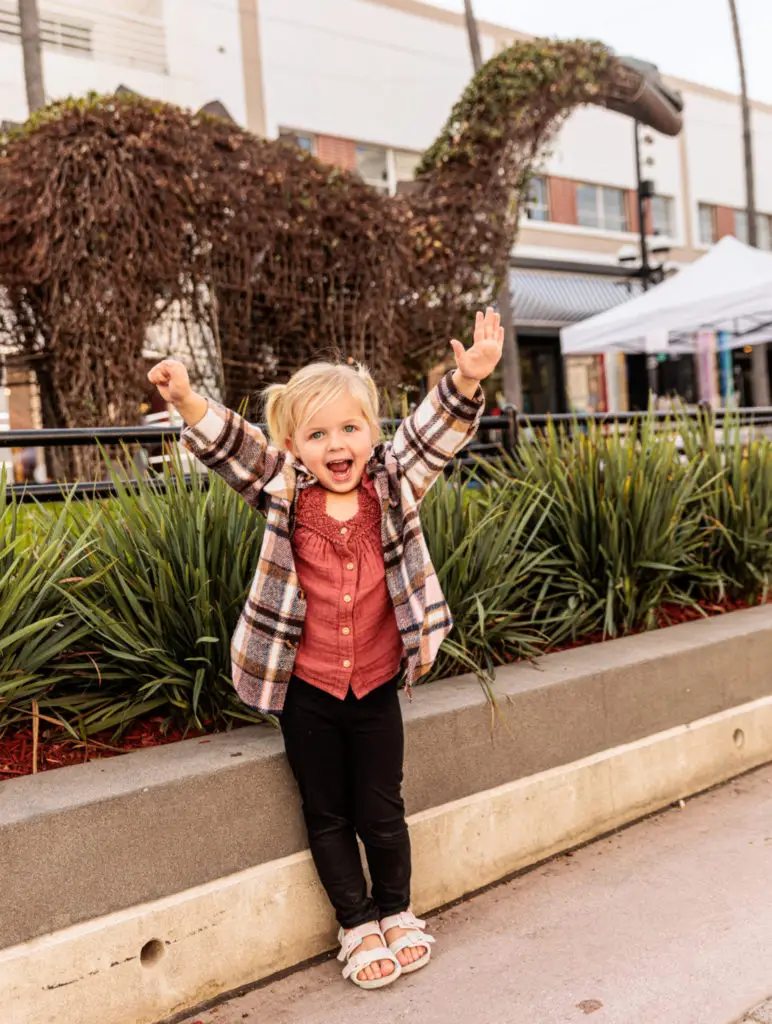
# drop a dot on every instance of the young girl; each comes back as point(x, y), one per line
point(344, 597)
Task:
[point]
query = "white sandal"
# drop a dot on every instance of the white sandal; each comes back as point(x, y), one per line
point(415, 936)
point(350, 941)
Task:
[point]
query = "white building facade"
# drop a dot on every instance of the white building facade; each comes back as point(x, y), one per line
point(187, 52)
point(368, 84)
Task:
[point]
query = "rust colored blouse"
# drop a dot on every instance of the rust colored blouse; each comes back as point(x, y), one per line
point(350, 636)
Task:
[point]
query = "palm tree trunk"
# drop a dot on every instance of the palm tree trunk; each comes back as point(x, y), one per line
point(761, 394)
point(473, 35)
point(33, 60)
point(510, 360)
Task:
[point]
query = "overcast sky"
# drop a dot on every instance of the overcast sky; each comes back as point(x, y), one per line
point(688, 38)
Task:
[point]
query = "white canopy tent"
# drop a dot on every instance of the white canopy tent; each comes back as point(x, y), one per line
point(728, 289)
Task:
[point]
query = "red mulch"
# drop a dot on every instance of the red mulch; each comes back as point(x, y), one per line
point(668, 615)
point(16, 745)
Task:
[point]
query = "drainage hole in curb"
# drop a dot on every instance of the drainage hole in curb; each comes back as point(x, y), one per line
point(151, 953)
point(739, 738)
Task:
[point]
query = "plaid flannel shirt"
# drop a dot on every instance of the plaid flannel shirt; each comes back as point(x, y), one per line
point(267, 634)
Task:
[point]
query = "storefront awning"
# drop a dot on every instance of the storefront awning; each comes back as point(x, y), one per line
point(551, 300)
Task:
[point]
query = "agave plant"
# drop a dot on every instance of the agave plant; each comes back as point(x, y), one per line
point(38, 626)
point(737, 509)
point(168, 572)
point(625, 518)
point(495, 569)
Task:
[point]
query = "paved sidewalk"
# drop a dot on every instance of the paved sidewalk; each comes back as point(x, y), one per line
point(667, 922)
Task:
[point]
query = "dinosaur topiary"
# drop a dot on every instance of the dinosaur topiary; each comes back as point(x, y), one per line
point(117, 212)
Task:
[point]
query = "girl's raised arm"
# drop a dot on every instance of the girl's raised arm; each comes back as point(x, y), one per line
point(447, 418)
point(224, 441)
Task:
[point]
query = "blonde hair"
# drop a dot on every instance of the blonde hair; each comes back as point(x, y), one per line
point(288, 406)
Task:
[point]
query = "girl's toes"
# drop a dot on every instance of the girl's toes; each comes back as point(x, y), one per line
point(387, 968)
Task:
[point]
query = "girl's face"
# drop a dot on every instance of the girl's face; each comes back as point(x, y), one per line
point(335, 444)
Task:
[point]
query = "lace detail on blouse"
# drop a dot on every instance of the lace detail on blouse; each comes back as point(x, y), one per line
point(312, 512)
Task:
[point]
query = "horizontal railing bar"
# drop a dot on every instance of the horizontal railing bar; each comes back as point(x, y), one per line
point(26, 493)
point(153, 434)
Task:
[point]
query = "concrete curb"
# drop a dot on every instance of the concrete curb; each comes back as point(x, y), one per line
point(164, 821)
point(154, 960)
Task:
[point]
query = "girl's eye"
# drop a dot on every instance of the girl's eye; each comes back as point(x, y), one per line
point(350, 428)
point(316, 435)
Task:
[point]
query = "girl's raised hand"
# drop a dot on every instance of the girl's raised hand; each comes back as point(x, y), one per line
point(480, 360)
point(171, 378)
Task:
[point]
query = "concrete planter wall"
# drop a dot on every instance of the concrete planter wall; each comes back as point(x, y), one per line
point(141, 886)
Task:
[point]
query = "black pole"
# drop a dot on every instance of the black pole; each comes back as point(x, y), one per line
point(645, 268)
point(651, 365)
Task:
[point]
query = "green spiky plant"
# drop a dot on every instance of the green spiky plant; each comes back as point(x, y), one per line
point(737, 510)
point(496, 572)
point(625, 518)
point(38, 627)
point(170, 567)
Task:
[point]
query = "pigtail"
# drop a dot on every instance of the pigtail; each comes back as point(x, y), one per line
point(275, 414)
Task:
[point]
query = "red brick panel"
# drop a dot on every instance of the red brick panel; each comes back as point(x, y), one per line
point(724, 221)
point(341, 152)
point(562, 193)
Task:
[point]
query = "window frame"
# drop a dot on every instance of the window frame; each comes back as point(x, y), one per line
point(544, 205)
point(389, 186)
point(711, 209)
point(291, 136)
point(600, 208)
point(670, 207)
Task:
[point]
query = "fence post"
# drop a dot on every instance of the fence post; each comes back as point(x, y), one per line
point(510, 433)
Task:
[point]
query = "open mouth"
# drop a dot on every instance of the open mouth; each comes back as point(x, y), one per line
point(341, 470)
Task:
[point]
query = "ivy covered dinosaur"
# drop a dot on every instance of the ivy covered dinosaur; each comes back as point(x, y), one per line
point(118, 214)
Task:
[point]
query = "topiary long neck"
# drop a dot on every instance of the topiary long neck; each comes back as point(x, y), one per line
point(472, 178)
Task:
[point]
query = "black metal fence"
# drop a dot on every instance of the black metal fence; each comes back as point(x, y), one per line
point(497, 435)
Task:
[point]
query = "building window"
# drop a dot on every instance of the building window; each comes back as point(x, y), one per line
point(384, 168)
point(741, 225)
point(303, 140)
point(707, 216)
point(405, 163)
point(662, 219)
point(537, 205)
point(372, 166)
point(764, 231)
point(380, 166)
point(600, 207)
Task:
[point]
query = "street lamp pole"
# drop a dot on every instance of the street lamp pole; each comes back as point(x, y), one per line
point(642, 193)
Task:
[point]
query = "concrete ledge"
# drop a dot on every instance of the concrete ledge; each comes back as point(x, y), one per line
point(148, 962)
point(167, 820)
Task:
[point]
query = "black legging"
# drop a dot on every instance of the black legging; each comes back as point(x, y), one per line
point(347, 758)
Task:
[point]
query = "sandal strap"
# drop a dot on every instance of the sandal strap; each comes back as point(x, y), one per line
point(406, 919)
point(411, 940)
point(365, 957)
point(351, 940)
